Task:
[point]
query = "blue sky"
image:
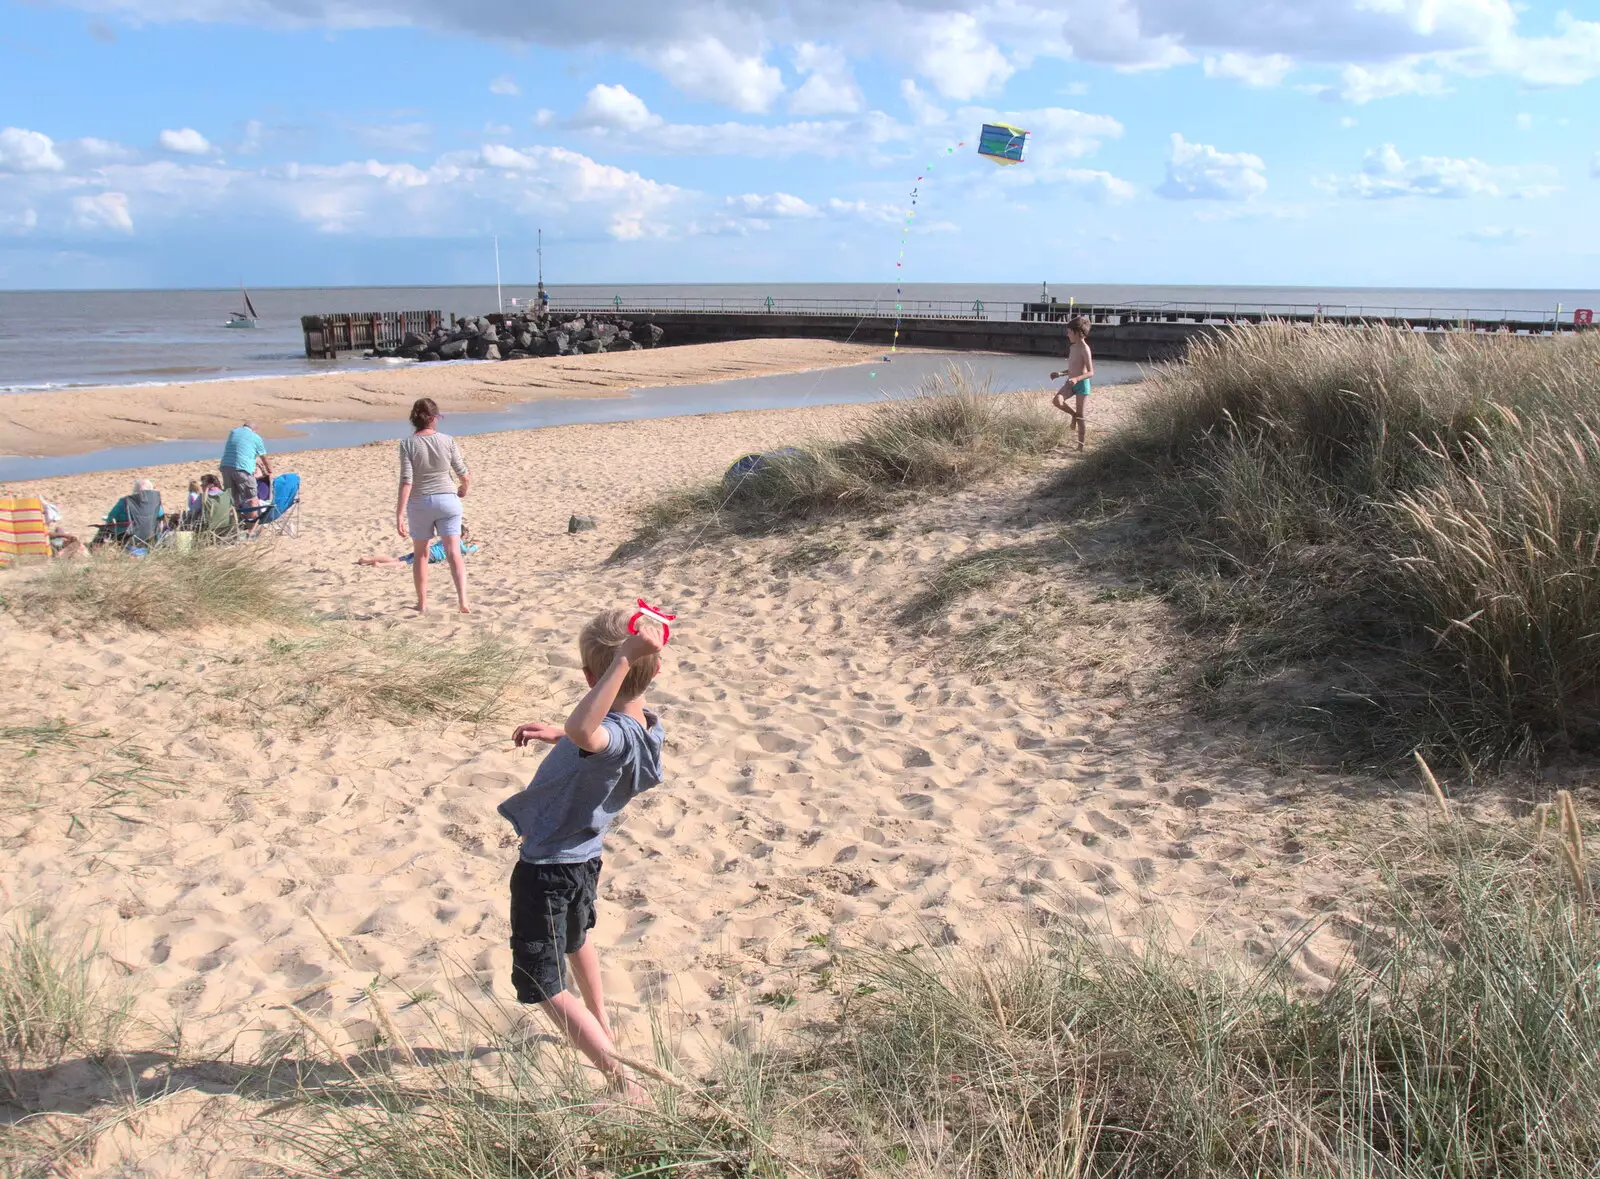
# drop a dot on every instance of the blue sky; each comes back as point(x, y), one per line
point(321, 142)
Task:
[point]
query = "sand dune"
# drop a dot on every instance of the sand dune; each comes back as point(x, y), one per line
point(827, 773)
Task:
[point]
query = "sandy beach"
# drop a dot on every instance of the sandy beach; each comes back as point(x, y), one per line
point(72, 421)
point(828, 774)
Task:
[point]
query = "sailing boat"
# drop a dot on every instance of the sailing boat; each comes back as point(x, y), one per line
point(246, 318)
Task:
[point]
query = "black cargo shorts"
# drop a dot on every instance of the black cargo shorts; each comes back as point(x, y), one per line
point(552, 912)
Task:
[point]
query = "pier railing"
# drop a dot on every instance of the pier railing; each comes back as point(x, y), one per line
point(1418, 318)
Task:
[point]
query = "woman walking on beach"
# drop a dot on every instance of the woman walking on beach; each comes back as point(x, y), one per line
point(433, 478)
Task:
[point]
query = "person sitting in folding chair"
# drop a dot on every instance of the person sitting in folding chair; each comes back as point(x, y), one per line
point(215, 518)
point(135, 519)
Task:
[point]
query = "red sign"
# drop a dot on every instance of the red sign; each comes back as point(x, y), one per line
point(1583, 317)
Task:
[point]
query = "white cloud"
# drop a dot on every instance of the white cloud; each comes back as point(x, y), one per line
point(18, 223)
point(878, 212)
point(185, 142)
point(543, 117)
point(715, 48)
point(495, 185)
point(1348, 121)
point(1569, 58)
point(1496, 235)
point(250, 142)
point(1524, 122)
point(615, 108)
point(923, 108)
point(953, 53)
point(634, 202)
point(1386, 174)
point(1263, 71)
point(621, 117)
point(706, 68)
point(1199, 172)
point(1096, 186)
point(772, 204)
point(395, 137)
point(505, 85)
point(28, 151)
point(1361, 84)
point(830, 88)
point(106, 210)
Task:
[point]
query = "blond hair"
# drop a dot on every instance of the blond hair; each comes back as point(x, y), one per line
point(598, 643)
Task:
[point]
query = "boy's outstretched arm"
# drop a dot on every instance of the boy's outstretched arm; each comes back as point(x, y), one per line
point(583, 727)
point(535, 731)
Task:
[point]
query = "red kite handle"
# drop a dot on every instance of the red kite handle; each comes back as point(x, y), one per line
point(646, 610)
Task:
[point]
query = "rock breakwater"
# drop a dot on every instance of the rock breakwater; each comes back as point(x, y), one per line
point(520, 336)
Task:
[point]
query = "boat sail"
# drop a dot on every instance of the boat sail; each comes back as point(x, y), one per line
point(246, 318)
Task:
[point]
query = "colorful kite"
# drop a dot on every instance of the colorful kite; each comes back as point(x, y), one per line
point(1002, 143)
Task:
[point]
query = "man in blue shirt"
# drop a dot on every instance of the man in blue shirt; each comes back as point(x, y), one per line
point(241, 454)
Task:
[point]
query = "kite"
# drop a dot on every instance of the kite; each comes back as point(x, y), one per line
point(1002, 143)
point(664, 620)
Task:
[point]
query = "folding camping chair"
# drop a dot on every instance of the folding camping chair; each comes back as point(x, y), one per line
point(280, 514)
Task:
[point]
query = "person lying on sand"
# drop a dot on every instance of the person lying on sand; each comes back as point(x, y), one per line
point(608, 751)
point(1079, 373)
point(436, 552)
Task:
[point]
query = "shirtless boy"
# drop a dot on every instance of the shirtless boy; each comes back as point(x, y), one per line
point(1079, 373)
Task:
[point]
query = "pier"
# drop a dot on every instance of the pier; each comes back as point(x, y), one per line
point(1135, 332)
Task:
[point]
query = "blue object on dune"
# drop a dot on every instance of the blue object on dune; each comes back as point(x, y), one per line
point(751, 463)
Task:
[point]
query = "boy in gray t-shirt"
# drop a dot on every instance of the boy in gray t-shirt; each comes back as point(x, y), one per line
point(608, 751)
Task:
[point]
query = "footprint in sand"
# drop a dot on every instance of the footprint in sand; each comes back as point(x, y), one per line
point(1106, 826)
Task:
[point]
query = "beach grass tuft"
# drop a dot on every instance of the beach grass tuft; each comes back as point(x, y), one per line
point(949, 434)
point(1394, 538)
point(55, 999)
point(336, 673)
point(165, 591)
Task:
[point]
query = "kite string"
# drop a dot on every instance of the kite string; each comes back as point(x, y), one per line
point(899, 307)
point(905, 234)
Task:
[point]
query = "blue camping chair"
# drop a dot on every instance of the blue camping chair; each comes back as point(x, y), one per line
point(280, 514)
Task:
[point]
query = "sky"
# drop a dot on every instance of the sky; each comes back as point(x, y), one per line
point(183, 143)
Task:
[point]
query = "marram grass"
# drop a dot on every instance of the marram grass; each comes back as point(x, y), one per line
point(1398, 534)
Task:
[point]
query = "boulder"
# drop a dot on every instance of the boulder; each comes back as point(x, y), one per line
point(589, 347)
point(413, 340)
point(582, 524)
point(452, 349)
point(648, 334)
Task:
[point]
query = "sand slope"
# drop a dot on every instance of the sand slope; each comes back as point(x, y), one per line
point(827, 773)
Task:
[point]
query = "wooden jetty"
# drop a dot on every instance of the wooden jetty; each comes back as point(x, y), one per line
point(329, 335)
point(1137, 332)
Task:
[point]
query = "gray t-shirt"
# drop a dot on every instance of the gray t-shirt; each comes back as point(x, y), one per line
point(427, 462)
point(563, 813)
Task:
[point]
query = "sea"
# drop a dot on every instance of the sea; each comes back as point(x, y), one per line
point(68, 339)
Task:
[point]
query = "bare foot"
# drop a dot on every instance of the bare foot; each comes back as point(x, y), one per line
point(465, 609)
point(627, 1089)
